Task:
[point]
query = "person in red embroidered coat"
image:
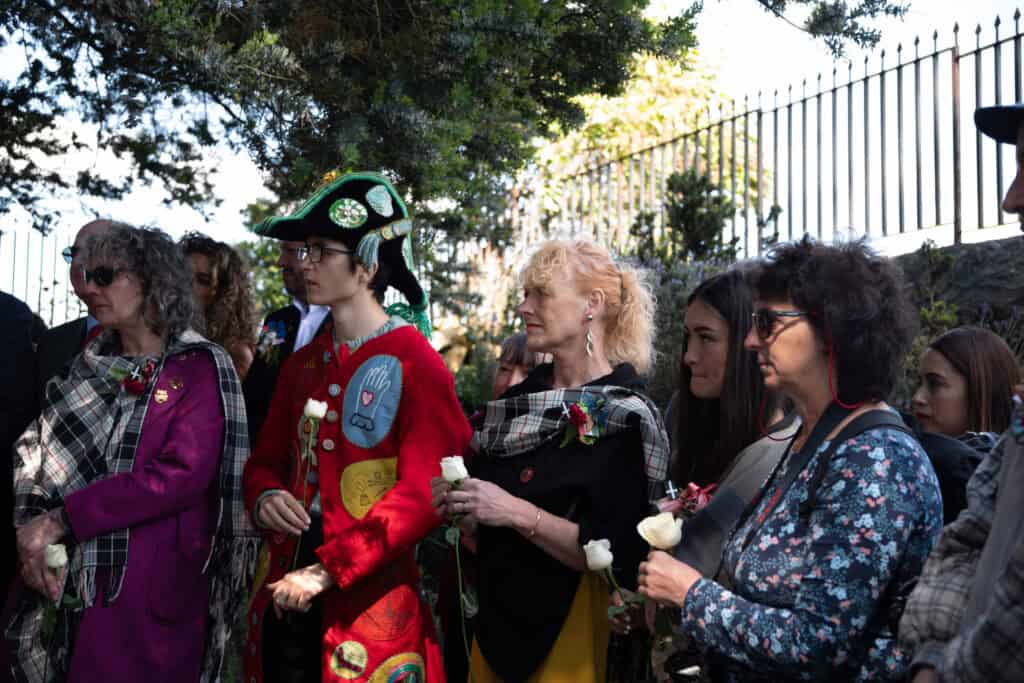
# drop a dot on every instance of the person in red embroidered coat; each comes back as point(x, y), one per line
point(340, 476)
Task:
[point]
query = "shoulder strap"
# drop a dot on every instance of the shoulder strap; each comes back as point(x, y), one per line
point(873, 419)
point(829, 420)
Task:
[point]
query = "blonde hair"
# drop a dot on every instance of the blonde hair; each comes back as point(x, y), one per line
point(629, 303)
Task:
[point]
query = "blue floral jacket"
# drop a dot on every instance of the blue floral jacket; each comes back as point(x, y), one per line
point(810, 597)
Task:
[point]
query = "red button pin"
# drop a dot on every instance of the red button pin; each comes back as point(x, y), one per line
point(526, 475)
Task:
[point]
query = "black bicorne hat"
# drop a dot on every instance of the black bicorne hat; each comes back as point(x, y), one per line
point(365, 213)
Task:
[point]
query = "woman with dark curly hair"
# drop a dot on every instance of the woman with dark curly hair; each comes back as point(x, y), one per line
point(815, 573)
point(220, 285)
point(132, 533)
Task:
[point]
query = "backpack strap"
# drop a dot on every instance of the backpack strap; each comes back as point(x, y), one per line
point(873, 419)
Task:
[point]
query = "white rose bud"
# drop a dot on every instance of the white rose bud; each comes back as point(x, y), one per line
point(453, 469)
point(599, 554)
point(662, 531)
point(315, 409)
point(56, 556)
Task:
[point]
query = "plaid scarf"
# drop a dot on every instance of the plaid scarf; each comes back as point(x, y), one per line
point(523, 423)
point(90, 429)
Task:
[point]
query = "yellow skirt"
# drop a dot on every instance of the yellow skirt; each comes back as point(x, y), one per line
point(580, 654)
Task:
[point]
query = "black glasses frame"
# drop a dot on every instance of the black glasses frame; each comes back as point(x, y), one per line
point(315, 252)
point(765, 319)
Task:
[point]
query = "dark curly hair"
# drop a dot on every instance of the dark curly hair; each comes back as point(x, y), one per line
point(231, 319)
point(152, 256)
point(857, 304)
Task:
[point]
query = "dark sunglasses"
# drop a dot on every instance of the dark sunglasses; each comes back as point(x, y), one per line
point(103, 276)
point(69, 253)
point(765, 319)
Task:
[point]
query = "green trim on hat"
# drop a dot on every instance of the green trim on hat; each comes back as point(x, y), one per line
point(415, 315)
point(269, 224)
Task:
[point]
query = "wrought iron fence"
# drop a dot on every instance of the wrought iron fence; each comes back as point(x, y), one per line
point(883, 154)
point(32, 269)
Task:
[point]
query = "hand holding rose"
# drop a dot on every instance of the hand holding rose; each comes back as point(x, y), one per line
point(664, 579)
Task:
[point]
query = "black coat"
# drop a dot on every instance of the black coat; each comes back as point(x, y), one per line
point(17, 405)
point(524, 593)
point(57, 348)
point(261, 381)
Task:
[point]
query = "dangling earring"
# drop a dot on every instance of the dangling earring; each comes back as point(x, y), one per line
point(590, 338)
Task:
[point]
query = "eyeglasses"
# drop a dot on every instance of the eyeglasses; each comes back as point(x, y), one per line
point(765, 319)
point(103, 276)
point(69, 253)
point(315, 252)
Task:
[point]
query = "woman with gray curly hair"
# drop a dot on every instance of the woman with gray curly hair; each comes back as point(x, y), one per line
point(131, 530)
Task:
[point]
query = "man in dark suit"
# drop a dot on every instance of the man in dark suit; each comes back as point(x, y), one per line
point(285, 330)
point(17, 390)
point(62, 343)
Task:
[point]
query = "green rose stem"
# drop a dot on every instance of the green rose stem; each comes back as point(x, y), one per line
point(453, 536)
point(309, 458)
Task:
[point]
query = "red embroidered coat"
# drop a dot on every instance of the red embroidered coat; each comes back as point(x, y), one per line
point(392, 415)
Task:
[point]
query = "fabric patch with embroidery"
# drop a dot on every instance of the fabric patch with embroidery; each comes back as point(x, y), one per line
point(391, 617)
point(348, 661)
point(365, 482)
point(371, 400)
point(406, 667)
point(380, 199)
point(348, 213)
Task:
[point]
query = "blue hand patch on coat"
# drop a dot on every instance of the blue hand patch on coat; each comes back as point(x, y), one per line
point(371, 401)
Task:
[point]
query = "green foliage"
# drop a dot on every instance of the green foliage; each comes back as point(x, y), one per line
point(697, 211)
point(839, 22)
point(696, 214)
point(445, 94)
point(672, 285)
point(936, 315)
point(261, 254)
point(474, 380)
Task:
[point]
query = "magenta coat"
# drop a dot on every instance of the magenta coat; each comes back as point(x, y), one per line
point(154, 631)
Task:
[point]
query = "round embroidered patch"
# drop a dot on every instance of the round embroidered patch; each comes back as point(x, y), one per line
point(390, 617)
point(380, 199)
point(365, 482)
point(349, 660)
point(406, 667)
point(371, 400)
point(348, 213)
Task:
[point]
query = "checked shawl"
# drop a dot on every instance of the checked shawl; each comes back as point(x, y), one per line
point(90, 429)
point(525, 422)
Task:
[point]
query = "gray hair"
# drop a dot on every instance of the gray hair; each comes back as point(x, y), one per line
point(156, 260)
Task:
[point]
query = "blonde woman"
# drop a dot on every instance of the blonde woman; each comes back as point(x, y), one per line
point(572, 454)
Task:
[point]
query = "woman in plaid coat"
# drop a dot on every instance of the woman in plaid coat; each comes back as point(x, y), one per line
point(574, 453)
point(132, 535)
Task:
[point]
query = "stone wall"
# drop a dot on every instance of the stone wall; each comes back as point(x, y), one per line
point(980, 274)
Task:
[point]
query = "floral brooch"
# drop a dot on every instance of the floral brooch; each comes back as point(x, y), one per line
point(588, 418)
point(136, 381)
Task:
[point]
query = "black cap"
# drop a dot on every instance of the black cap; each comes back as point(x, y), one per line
point(1000, 123)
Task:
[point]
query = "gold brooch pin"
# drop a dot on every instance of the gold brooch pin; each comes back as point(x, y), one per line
point(176, 383)
point(160, 396)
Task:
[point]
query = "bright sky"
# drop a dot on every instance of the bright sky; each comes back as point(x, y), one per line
point(751, 50)
point(788, 55)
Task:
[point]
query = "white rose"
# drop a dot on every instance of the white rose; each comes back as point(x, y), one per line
point(599, 554)
point(315, 409)
point(56, 556)
point(662, 531)
point(453, 469)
